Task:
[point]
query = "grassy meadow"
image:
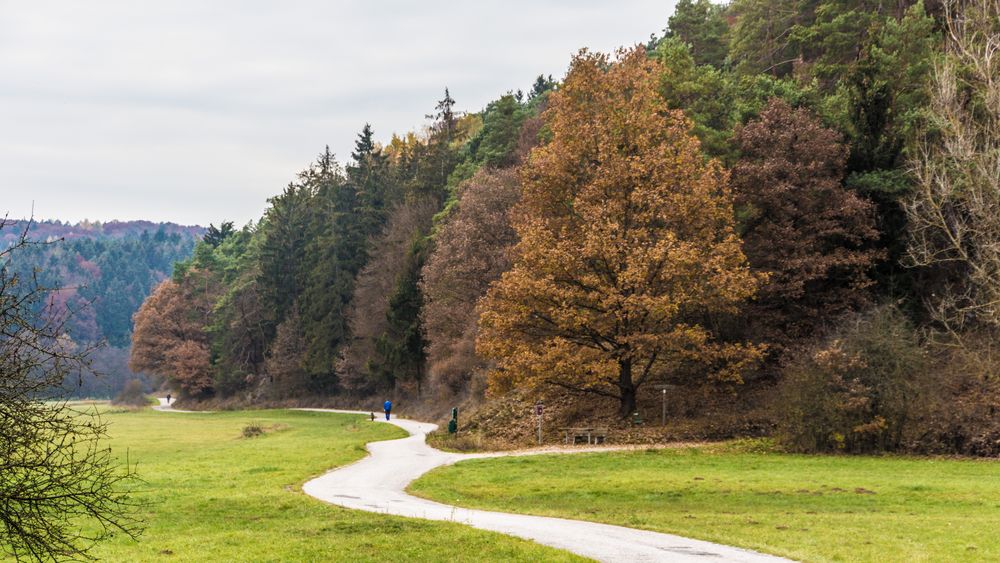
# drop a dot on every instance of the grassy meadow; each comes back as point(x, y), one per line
point(811, 508)
point(216, 496)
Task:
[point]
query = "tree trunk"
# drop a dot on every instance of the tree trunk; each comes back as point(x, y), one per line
point(627, 388)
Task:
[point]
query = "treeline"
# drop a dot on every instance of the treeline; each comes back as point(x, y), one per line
point(780, 195)
point(323, 295)
point(97, 275)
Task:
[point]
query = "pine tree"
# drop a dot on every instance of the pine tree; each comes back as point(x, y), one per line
point(400, 353)
point(701, 25)
point(371, 178)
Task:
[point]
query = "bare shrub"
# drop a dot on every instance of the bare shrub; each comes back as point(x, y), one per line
point(252, 430)
point(953, 220)
point(61, 489)
point(963, 411)
point(858, 390)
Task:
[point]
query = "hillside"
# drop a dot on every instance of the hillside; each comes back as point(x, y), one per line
point(765, 215)
point(101, 272)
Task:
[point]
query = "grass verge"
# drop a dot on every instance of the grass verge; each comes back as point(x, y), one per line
point(217, 496)
point(812, 508)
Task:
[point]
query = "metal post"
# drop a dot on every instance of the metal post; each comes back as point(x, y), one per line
point(663, 416)
point(664, 387)
point(538, 413)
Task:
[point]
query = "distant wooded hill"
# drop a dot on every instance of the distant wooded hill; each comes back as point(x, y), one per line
point(53, 230)
point(101, 273)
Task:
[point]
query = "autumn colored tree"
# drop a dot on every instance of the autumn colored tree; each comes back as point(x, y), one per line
point(471, 250)
point(170, 339)
point(801, 226)
point(626, 237)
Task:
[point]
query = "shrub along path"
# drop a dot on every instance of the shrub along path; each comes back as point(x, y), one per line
point(378, 482)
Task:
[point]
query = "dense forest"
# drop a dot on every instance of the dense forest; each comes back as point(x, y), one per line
point(774, 207)
point(98, 275)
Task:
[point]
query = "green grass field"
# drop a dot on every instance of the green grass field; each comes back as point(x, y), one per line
point(216, 496)
point(813, 508)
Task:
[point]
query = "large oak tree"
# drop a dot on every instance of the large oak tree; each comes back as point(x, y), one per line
point(626, 239)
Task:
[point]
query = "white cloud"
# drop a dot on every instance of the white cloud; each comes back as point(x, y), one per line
point(196, 111)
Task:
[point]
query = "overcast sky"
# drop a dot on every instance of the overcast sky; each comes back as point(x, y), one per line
point(197, 111)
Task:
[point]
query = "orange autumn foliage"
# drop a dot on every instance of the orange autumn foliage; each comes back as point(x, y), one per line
point(170, 339)
point(626, 240)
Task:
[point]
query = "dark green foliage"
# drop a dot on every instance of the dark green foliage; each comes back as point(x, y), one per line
point(372, 180)
point(818, 39)
point(701, 24)
point(759, 40)
point(542, 85)
point(400, 351)
point(887, 96)
point(430, 164)
point(282, 251)
point(494, 145)
point(717, 100)
point(216, 235)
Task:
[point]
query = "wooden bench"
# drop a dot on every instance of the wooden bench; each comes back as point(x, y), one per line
point(585, 434)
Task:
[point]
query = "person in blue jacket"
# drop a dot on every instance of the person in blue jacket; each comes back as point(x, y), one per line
point(387, 407)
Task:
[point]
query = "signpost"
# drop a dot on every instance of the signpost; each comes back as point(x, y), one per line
point(539, 409)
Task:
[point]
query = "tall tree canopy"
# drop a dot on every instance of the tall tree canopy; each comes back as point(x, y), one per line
point(801, 226)
point(471, 250)
point(626, 237)
point(702, 25)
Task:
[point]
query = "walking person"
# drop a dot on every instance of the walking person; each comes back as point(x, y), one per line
point(168, 398)
point(387, 407)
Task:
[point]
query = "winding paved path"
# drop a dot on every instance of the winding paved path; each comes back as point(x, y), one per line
point(378, 482)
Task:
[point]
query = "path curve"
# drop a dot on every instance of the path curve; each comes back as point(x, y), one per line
point(378, 483)
point(164, 406)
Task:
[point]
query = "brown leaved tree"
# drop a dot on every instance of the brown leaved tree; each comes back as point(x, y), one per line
point(626, 238)
point(170, 338)
point(811, 236)
point(471, 250)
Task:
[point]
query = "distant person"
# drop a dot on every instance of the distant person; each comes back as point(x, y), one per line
point(168, 398)
point(387, 407)
point(373, 416)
